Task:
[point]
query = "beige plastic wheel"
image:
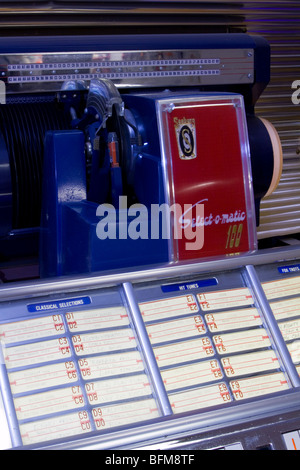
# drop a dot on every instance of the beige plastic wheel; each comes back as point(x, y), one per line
point(277, 155)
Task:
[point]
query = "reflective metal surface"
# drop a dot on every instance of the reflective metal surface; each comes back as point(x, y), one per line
point(43, 287)
point(205, 428)
point(47, 72)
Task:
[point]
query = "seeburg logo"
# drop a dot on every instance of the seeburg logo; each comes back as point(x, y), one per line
point(162, 221)
point(186, 137)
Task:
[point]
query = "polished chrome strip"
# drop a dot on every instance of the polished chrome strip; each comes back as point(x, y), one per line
point(183, 427)
point(8, 404)
point(273, 326)
point(149, 356)
point(100, 280)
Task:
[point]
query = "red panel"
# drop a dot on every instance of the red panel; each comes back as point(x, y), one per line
point(205, 166)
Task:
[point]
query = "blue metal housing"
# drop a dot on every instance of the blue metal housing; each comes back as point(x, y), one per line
point(69, 241)
point(68, 231)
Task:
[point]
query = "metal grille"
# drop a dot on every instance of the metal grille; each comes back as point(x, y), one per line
point(279, 23)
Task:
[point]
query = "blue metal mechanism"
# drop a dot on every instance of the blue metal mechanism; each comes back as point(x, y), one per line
point(71, 196)
point(105, 145)
point(69, 241)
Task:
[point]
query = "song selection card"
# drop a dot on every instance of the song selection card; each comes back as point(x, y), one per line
point(282, 288)
point(124, 413)
point(213, 395)
point(258, 386)
point(45, 403)
point(30, 354)
point(220, 300)
point(204, 339)
point(185, 351)
point(284, 296)
point(192, 374)
point(251, 363)
point(227, 320)
point(51, 375)
point(241, 341)
point(98, 367)
point(294, 350)
point(176, 329)
point(113, 390)
point(85, 320)
point(83, 421)
point(103, 342)
point(168, 308)
point(58, 427)
point(79, 371)
point(67, 371)
point(35, 328)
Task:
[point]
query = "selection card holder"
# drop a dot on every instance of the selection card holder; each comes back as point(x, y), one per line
point(207, 173)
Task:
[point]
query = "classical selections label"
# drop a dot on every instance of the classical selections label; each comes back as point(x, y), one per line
point(58, 304)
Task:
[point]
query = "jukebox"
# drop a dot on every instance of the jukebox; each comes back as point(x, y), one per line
point(133, 171)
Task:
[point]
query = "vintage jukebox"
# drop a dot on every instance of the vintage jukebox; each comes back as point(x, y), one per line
point(134, 171)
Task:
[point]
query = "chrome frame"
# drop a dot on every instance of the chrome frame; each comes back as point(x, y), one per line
point(170, 431)
point(41, 287)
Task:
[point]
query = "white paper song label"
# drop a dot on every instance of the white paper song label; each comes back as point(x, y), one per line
point(294, 350)
point(233, 319)
point(167, 308)
point(124, 413)
point(101, 342)
point(282, 288)
point(199, 398)
point(97, 319)
point(109, 365)
point(219, 300)
point(248, 364)
point(256, 386)
point(35, 353)
point(190, 375)
point(176, 329)
point(59, 427)
point(42, 377)
point(44, 403)
point(31, 329)
point(177, 353)
point(284, 309)
point(241, 341)
point(124, 388)
point(290, 329)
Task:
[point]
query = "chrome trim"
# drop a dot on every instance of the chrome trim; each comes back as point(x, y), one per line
point(180, 426)
point(150, 360)
point(273, 327)
point(184, 426)
point(108, 279)
point(7, 401)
